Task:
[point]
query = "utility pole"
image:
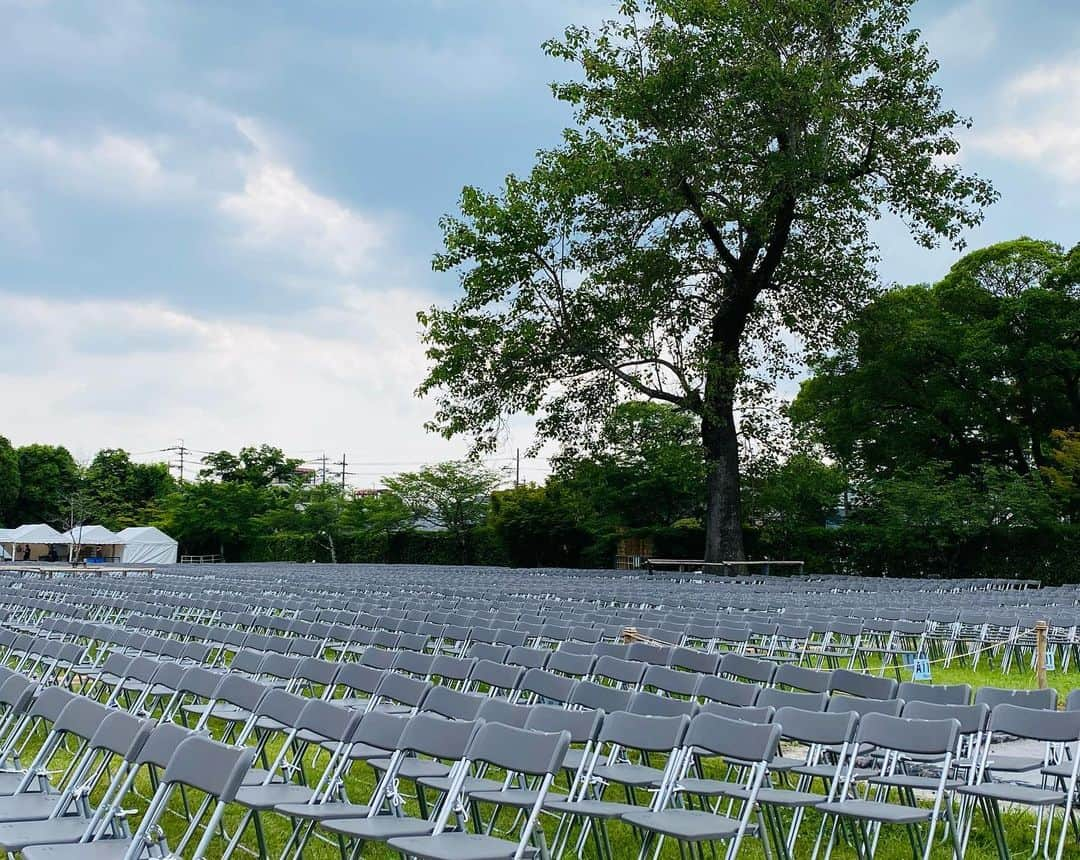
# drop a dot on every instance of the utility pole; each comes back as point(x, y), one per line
point(517, 469)
point(323, 460)
point(342, 463)
point(180, 450)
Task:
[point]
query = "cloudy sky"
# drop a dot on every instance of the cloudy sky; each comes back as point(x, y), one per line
point(216, 218)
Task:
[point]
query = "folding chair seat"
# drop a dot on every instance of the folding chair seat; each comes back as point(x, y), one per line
point(790, 644)
point(711, 688)
point(28, 716)
point(115, 744)
point(999, 762)
point(197, 763)
point(33, 798)
point(620, 735)
point(862, 685)
point(896, 738)
point(520, 753)
point(376, 735)
point(429, 746)
point(329, 725)
point(751, 745)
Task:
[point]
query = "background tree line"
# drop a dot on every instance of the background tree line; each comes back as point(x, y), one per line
point(940, 436)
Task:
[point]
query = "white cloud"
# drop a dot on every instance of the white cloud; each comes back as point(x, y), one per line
point(342, 380)
point(276, 211)
point(966, 32)
point(1039, 121)
point(17, 225)
point(106, 164)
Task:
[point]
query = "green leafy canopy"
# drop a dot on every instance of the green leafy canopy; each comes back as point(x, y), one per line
point(714, 195)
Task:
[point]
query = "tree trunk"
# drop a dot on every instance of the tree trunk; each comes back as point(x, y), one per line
point(723, 520)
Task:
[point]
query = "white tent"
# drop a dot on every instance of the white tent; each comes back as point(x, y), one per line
point(93, 541)
point(39, 535)
point(4, 554)
point(146, 545)
point(91, 536)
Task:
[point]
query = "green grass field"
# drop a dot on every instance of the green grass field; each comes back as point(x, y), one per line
point(624, 841)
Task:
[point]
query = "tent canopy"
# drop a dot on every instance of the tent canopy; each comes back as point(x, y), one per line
point(146, 545)
point(35, 533)
point(91, 536)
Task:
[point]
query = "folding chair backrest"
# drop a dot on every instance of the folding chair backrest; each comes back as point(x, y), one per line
point(938, 694)
point(802, 678)
point(733, 739)
point(162, 744)
point(653, 734)
point(663, 706)
point(727, 691)
point(583, 726)
point(547, 685)
point(816, 727)
point(747, 668)
point(241, 691)
point(1036, 724)
point(748, 713)
point(842, 704)
point(862, 685)
point(499, 711)
point(81, 717)
point(453, 704)
point(790, 699)
point(994, 696)
point(521, 750)
point(437, 737)
point(593, 696)
point(122, 733)
point(915, 737)
point(215, 768)
point(379, 730)
point(972, 718)
point(330, 721)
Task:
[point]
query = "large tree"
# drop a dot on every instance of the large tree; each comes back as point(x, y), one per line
point(48, 480)
point(9, 482)
point(710, 207)
point(979, 369)
point(453, 496)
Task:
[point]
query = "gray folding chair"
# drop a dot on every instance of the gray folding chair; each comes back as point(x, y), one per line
point(522, 754)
